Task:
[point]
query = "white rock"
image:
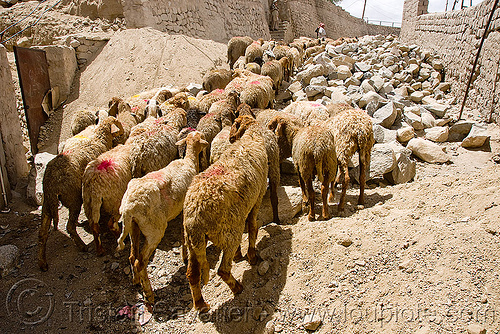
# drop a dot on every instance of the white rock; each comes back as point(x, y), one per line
point(263, 268)
point(290, 204)
point(318, 81)
point(386, 115)
point(367, 87)
point(437, 134)
point(413, 120)
point(9, 259)
point(377, 82)
point(428, 151)
point(417, 96)
point(406, 168)
point(383, 160)
point(338, 95)
point(476, 137)
point(476, 329)
point(352, 81)
point(383, 135)
point(370, 96)
point(428, 121)
point(405, 133)
point(343, 72)
point(362, 66)
point(306, 75)
point(295, 87)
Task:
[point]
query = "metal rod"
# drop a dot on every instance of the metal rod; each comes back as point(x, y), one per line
point(454, 3)
point(364, 7)
point(4, 191)
point(477, 57)
point(446, 7)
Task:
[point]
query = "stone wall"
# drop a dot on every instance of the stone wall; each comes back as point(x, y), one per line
point(305, 16)
point(11, 134)
point(456, 36)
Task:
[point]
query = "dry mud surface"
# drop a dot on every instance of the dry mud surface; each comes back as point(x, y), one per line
point(420, 257)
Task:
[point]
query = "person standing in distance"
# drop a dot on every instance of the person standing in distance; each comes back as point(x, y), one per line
point(274, 15)
point(320, 31)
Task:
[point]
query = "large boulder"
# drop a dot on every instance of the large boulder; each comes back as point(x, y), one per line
point(437, 134)
point(476, 137)
point(406, 167)
point(289, 205)
point(9, 259)
point(460, 130)
point(386, 115)
point(428, 151)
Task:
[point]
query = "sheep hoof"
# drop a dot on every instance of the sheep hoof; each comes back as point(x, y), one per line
point(201, 306)
point(43, 265)
point(238, 288)
point(322, 217)
point(311, 218)
point(360, 206)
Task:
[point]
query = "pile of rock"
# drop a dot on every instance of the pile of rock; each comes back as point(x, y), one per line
point(401, 88)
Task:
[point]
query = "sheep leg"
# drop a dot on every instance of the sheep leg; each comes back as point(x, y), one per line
point(333, 185)
point(134, 251)
point(274, 200)
point(141, 264)
point(253, 229)
point(225, 271)
point(311, 194)
point(193, 274)
point(238, 256)
point(42, 242)
point(305, 199)
point(184, 248)
point(97, 238)
point(324, 195)
point(362, 180)
point(345, 182)
point(114, 227)
point(55, 219)
point(71, 228)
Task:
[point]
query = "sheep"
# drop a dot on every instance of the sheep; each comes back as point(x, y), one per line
point(125, 116)
point(296, 56)
point(155, 147)
point(238, 129)
point(153, 105)
point(179, 100)
point(236, 48)
point(221, 113)
point(253, 67)
point(254, 52)
point(313, 152)
point(81, 120)
point(104, 182)
point(206, 101)
point(314, 50)
point(287, 66)
point(240, 63)
point(309, 112)
point(150, 202)
point(218, 203)
point(255, 90)
point(353, 131)
point(216, 79)
point(62, 181)
point(274, 70)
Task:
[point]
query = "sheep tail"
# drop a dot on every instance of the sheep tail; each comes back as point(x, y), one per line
point(50, 206)
point(126, 220)
point(319, 169)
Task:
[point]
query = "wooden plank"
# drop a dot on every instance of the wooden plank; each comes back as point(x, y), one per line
point(3, 175)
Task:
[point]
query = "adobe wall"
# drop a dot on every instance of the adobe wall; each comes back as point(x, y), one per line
point(219, 20)
point(456, 35)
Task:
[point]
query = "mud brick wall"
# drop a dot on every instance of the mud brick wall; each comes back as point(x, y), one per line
point(456, 36)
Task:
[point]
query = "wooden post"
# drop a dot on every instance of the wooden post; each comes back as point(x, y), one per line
point(4, 181)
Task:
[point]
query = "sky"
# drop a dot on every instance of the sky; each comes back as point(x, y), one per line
point(392, 10)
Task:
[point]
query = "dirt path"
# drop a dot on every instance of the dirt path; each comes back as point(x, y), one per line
point(422, 256)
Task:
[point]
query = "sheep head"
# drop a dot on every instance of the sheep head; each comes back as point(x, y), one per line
point(244, 109)
point(240, 125)
point(194, 140)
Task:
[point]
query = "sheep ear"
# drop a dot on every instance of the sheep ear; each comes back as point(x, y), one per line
point(280, 129)
point(181, 142)
point(113, 110)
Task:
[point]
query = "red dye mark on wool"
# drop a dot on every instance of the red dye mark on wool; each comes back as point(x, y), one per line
point(214, 171)
point(106, 165)
point(155, 176)
point(135, 108)
point(316, 105)
point(219, 91)
point(256, 82)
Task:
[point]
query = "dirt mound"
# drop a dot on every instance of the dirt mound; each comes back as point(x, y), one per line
point(136, 60)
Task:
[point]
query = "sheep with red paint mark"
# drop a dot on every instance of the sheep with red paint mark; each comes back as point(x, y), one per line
point(126, 115)
point(104, 182)
point(313, 153)
point(206, 101)
point(151, 202)
point(254, 52)
point(216, 79)
point(255, 90)
point(62, 180)
point(236, 48)
point(274, 70)
point(218, 204)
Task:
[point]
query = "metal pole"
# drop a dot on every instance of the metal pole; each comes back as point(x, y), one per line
point(477, 57)
point(446, 8)
point(454, 3)
point(364, 7)
point(462, 7)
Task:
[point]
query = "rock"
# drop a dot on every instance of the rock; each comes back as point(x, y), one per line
point(114, 265)
point(406, 168)
point(269, 329)
point(413, 109)
point(319, 81)
point(383, 135)
point(344, 241)
point(460, 130)
point(367, 87)
point(338, 95)
point(438, 109)
point(263, 268)
point(413, 69)
point(313, 90)
point(194, 88)
point(370, 96)
point(34, 191)
point(312, 322)
point(24, 42)
point(405, 133)
point(126, 270)
point(9, 259)
point(295, 87)
point(306, 75)
point(299, 96)
point(362, 66)
point(352, 81)
point(290, 204)
point(383, 160)
point(417, 96)
point(444, 86)
point(386, 115)
point(437, 134)
point(377, 82)
point(413, 120)
point(428, 121)
point(476, 137)
point(428, 151)
point(476, 329)
point(343, 72)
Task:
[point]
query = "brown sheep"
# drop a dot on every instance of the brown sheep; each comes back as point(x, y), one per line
point(236, 48)
point(313, 152)
point(254, 52)
point(287, 66)
point(62, 181)
point(253, 67)
point(218, 203)
point(205, 102)
point(353, 131)
point(126, 116)
point(274, 70)
point(216, 79)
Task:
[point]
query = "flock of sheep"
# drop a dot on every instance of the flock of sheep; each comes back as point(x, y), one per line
point(162, 152)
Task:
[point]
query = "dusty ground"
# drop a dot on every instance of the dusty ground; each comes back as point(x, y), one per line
point(424, 255)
